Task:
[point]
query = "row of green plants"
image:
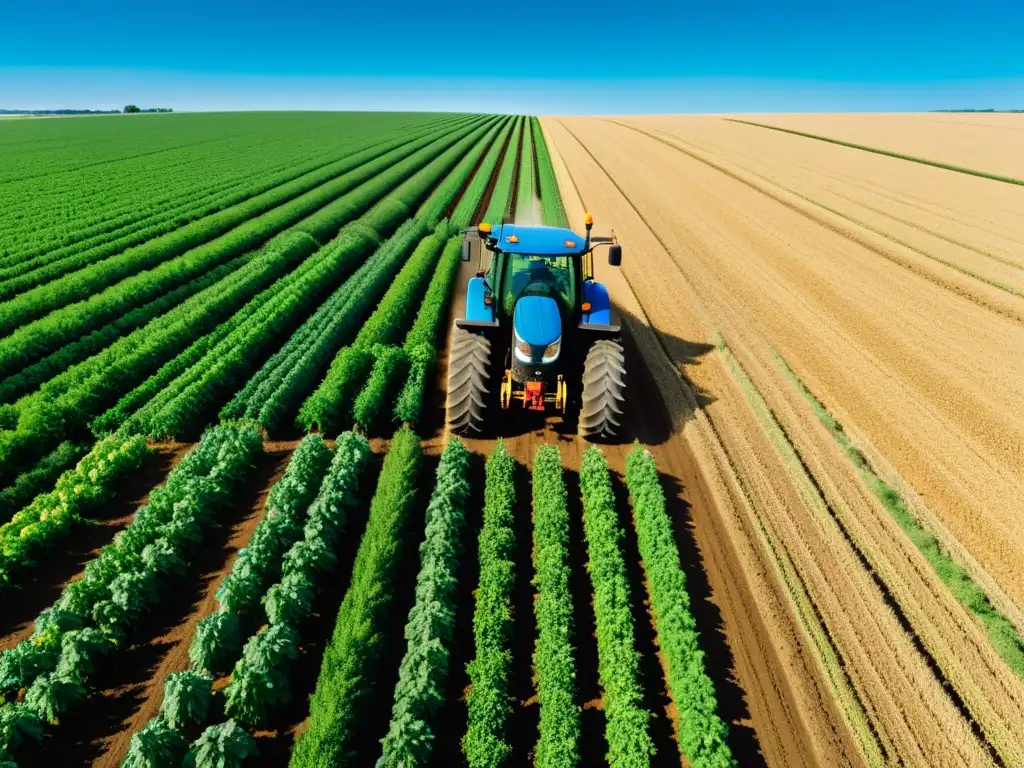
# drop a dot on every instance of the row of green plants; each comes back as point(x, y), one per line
point(351, 659)
point(91, 297)
point(486, 743)
point(39, 528)
point(553, 658)
point(272, 584)
point(527, 191)
point(34, 376)
point(47, 674)
point(275, 392)
point(177, 405)
point(703, 735)
point(185, 401)
point(30, 484)
point(626, 729)
point(330, 405)
point(503, 193)
point(272, 396)
point(178, 333)
point(552, 208)
point(209, 220)
point(429, 630)
point(80, 207)
point(414, 360)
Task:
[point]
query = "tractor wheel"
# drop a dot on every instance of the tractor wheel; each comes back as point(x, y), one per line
point(604, 381)
point(468, 361)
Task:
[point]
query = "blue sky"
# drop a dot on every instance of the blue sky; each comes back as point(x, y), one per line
point(541, 57)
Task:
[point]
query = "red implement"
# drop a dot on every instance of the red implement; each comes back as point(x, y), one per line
point(534, 395)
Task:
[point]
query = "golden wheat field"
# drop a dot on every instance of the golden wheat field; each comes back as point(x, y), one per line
point(839, 336)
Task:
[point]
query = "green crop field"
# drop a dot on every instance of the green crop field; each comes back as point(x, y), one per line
point(231, 530)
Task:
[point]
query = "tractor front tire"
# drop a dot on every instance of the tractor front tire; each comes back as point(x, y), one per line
point(604, 384)
point(468, 361)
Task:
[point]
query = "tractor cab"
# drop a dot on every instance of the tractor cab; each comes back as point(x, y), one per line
point(536, 299)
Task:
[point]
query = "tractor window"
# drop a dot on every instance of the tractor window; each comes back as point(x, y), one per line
point(539, 276)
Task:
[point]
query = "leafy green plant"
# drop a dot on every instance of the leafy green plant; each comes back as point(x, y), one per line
point(488, 706)
point(703, 736)
point(52, 694)
point(260, 678)
point(349, 664)
point(38, 527)
point(424, 668)
point(553, 657)
point(420, 342)
point(155, 746)
point(187, 697)
point(18, 723)
point(629, 743)
point(221, 746)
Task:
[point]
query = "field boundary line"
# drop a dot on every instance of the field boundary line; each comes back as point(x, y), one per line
point(885, 152)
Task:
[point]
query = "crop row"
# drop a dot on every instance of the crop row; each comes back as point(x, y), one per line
point(486, 743)
point(154, 344)
point(552, 209)
point(553, 656)
point(430, 628)
point(468, 211)
point(181, 403)
point(414, 360)
point(629, 743)
point(276, 390)
point(202, 222)
point(503, 193)
point(98, 612)
point(273, 578)
point(97, 301)
point(38, 527)
point(330, 404)
point(350, 660)
point(703, 736)
point(75, 211)
point(527, 191)
point(34, 376)
point(67, 402)
point(272, 394)
point(30, 484)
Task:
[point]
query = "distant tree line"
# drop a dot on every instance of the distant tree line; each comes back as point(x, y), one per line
point(59, 111)
point(978, 110)
point(132, 109)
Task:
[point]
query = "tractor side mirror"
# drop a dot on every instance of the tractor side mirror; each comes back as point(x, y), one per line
point(467, 250)
point(615, 255)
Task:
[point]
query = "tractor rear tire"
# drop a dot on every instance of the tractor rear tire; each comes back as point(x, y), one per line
point(604, 383)
point(468, 361)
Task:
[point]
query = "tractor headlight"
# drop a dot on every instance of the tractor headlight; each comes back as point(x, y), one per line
point(552, 350)
point(524, 348)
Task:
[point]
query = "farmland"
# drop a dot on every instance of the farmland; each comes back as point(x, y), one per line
point(235, 530)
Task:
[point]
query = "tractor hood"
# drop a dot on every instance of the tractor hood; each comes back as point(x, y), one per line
point(542, 241)
point(537, 321)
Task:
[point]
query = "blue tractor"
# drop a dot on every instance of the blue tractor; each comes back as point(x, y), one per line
point(536, 317)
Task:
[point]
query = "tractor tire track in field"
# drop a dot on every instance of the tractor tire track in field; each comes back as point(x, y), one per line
point(730, 435)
